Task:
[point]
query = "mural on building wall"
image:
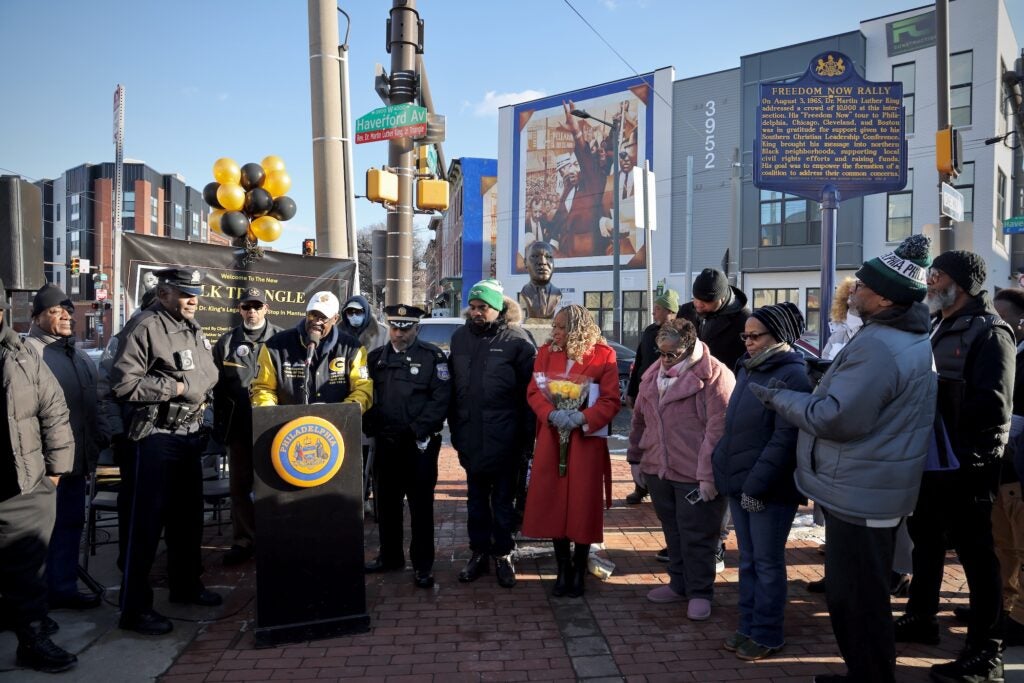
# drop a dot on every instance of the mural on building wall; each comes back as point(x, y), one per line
point(489, 190)
point(563, 169)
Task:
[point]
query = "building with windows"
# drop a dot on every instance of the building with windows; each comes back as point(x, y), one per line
point(769, 242)
point(464, 236)
point(78, 222)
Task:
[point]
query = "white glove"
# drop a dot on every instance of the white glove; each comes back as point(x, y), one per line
point(422, 445)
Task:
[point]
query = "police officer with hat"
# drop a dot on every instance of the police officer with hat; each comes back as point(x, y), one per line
point(236, 354)
point(163, 374)
point(411, 396)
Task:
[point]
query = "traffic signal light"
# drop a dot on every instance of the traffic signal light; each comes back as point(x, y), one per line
point(76, 265)
point(949, 151)
point(309, 247)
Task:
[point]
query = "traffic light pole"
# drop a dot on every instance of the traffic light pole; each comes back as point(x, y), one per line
point(946, 237)
point(403, 44)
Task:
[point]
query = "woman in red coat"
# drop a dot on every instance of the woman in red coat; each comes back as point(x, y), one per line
point(569, 508)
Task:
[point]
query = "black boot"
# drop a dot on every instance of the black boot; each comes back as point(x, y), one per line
point(580, 555)
point(37, 651)
point(475, 567)
point(563, 557)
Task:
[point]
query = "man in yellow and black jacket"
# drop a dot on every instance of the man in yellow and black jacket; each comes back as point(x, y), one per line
point(313, 362)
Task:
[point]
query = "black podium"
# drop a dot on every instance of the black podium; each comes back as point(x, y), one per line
point(309, 516)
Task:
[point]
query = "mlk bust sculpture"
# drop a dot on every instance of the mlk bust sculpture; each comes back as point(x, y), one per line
point(539, 298)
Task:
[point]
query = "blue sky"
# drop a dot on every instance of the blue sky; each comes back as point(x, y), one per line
point(206, 78)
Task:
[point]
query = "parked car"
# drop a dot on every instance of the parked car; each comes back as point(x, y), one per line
point(438, 331)
point(624, 358)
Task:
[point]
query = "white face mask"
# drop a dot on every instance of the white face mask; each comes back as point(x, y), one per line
point(356, 319)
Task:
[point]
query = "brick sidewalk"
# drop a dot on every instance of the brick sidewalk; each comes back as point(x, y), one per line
point(481, 632)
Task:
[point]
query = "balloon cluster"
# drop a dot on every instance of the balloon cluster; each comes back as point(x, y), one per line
point(249, 201)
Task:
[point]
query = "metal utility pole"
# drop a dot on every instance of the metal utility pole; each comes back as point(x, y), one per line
point(115, 229)
point(688, 277)
point(329, 191)
point(404, 43)
point(346, 145)
point(946, 237)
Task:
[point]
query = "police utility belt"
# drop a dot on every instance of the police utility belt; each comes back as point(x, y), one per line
point(168, 416)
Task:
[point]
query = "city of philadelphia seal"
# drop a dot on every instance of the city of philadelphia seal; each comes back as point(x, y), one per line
point(307, 451)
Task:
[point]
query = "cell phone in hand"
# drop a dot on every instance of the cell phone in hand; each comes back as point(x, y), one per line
point(693, 497)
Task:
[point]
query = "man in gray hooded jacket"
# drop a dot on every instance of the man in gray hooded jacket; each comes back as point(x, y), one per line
point(864, 436)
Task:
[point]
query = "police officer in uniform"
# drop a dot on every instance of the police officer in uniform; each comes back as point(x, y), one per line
point(235, 355)
point(163, 374)
point(411, 395)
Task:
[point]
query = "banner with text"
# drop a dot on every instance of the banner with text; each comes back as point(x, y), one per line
point(286, 280)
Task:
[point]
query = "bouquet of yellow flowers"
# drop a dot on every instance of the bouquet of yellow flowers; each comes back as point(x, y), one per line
point(566, 392)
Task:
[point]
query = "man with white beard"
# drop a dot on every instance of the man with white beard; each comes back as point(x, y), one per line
point(974, 352)
point(235, 355)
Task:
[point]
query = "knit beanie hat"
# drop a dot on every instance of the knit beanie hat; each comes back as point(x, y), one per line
point(669, 300)
point(490, 292)
point(900, 275)
point(965, 267)
point(711, 285)
point(784, 321)
point(47, 297)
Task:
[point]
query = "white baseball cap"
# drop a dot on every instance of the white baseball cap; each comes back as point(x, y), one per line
point(325, 303)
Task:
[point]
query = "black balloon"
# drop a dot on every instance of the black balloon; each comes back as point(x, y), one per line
point(252, 176)
point(257, 202)
point(284, 208)
point(234, 224)
point(210, 195)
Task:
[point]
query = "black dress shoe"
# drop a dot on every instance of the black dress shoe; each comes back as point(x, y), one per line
point(423, 579)
point(37, 651)
point(147, 623)
point(204, 598)
point(377, 565)
point(505, 571)
point(75, 601)
point(476, 567)
point(237, 555)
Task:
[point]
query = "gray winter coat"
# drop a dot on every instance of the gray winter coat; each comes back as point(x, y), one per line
point(866, 428)
point(76, 374)
point(41, 442)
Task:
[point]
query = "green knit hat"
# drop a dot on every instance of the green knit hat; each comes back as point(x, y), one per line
point(900, 275)
point(490, 292)
point(669, 300)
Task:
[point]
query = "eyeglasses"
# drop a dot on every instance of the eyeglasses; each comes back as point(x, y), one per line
point(671, 355)
point(858, 285)
point(251, 307)
point(751, 336)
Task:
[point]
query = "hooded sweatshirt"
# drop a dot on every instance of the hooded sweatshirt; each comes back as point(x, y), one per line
point(372, 333)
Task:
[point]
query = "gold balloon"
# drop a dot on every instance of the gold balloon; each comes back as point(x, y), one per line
point(266, 228)
point(272, 163)
point(250, 236)
point(277, 183)
point(227, 171)
point(231, 196)
point(214, 220)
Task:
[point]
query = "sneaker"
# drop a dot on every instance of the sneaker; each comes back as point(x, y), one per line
point(638, 495)
point(720, 559)
point(734, 641)
point(664, 594)
point(911, 628)
point(37, 651)
point(752, 651)
point(148, 623)
point(662, 555)
point(974, 665)
point(699, 609)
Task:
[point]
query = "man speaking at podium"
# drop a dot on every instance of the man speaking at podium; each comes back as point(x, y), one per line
point(313, 362)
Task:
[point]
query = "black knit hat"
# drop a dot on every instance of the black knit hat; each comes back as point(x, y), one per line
point(900, 275)
point(710, 285)
point(784, 321)
point(47, 297)
point(965, 267)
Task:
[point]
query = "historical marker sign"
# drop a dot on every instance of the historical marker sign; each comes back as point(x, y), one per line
point(830, 128)
point(393, 121)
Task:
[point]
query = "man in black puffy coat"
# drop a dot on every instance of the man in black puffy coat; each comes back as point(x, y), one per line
point(491, 425)
point(718, 311)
